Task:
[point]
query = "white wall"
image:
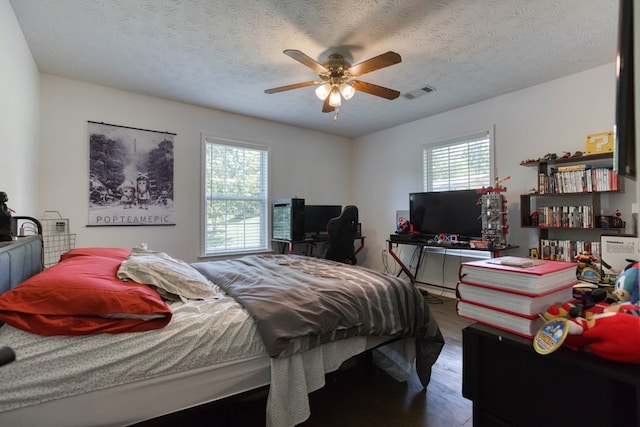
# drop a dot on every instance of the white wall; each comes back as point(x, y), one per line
point(548, 118)
point(18, 116)
point(306, 164)
point(43, 131)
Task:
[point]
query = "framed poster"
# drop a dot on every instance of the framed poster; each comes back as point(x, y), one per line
point(130, 176)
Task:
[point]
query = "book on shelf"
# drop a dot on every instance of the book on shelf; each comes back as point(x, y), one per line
point(581, 180)
point(519, 324)
point(513, 301)
point(565, 216)
point(566, 250)
point(500, 273)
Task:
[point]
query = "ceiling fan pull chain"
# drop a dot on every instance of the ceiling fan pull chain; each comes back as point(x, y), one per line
point(335, 117)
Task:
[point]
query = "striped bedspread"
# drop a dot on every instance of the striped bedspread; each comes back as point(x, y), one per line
point(301, 302)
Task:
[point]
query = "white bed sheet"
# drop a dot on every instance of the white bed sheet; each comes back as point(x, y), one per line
point(201, 333)
point(62, 381)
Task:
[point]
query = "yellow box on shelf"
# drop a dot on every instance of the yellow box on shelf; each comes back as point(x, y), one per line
point(598, 143)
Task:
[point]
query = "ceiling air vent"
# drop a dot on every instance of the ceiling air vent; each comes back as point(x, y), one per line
point(418, 92)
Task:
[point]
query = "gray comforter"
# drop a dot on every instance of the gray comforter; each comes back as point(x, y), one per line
point(301, 302)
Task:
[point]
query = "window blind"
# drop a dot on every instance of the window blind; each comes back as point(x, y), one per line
point(235, 197)
point(460, 164)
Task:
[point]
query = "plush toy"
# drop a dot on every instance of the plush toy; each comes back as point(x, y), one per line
point(610, 330)
point(626, 285)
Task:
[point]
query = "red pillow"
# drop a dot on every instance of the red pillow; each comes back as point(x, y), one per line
point(80, 296)
point(115, 253)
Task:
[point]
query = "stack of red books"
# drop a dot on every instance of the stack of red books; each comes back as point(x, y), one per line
point(510, 293)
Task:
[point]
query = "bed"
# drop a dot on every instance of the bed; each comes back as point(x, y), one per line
point(281, 321)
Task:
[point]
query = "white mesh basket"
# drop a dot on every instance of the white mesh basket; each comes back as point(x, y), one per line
point(56, 237)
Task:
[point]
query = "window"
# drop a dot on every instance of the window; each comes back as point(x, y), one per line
point(458, 164)
point(235, 200)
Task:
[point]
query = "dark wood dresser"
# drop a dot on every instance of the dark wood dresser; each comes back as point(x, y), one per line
point(512, 385)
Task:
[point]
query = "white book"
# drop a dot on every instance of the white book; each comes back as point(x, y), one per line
point(524, 326)
point(510, 301)
point(536, 278)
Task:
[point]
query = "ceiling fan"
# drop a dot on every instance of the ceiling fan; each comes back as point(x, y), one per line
point(337, 77)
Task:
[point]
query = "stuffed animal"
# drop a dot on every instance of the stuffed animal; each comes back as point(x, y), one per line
point(626, 285)
point(609, 330)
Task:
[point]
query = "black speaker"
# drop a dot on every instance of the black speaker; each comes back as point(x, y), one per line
point(288, 219)
point(5, 218)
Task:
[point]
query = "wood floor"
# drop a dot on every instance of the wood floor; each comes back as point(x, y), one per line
point(361, 395)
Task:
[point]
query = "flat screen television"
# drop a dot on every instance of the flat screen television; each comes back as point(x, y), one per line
point(625, 133)
point(316, 218)
point(446, 212)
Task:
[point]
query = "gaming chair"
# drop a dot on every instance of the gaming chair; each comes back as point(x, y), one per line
point(342, 231)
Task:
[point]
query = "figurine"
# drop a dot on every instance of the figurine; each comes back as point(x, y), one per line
point(587, 268)
point(402, 226)
point(5, 218)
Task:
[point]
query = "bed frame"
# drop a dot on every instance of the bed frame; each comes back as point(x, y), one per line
point(21, 259)
point(143, 400)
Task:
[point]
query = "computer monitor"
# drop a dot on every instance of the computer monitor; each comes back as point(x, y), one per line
point(316, 218)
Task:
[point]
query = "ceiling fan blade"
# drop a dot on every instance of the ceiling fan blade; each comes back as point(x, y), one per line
point(376, 90)
point(306, 60)
point(375, 63)
point(326, 107)
point(293, 86)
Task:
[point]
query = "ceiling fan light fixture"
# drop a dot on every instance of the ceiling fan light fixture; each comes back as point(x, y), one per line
point(338, 78)
point(335, 100)
point(323, 91)
point(347, 90)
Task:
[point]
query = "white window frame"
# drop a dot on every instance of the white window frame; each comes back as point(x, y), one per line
point(263, 243)
point(458, 144)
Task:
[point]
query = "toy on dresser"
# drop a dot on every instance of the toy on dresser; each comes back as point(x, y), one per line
point(609, 328)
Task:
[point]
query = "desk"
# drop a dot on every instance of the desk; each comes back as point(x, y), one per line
point(495, 252)
point(283, 243)
point(512, 385)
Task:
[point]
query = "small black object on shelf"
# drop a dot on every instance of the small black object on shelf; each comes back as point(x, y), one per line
point(5, 218)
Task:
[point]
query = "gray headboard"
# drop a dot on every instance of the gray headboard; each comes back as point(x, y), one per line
point(19, 260)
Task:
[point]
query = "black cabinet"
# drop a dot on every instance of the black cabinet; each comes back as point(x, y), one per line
point(512, 385)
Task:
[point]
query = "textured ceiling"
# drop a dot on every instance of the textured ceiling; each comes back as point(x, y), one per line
point(223, 54)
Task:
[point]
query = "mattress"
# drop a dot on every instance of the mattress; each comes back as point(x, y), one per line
point(68, 384)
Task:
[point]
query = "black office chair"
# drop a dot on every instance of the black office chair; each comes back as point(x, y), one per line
point(342, 231)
